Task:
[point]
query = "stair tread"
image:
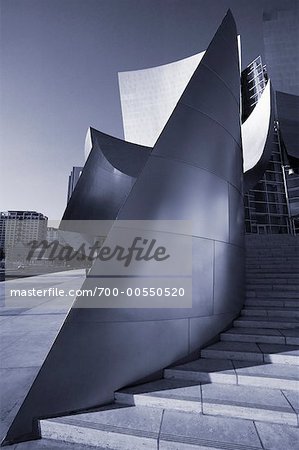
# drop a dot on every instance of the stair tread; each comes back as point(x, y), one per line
point(277, 309)
point(212, 402)
point(249, 347)
point(165, 389)
point(136, 421)
point(233, 366)
point(247, 396)
point(255, 403)
point(269, 319)
point(254, 397)
point(145, 423)
point(260, 331)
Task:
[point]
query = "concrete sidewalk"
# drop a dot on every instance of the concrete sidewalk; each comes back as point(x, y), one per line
point(28, 327)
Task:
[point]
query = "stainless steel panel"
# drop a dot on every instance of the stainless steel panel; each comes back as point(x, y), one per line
point(229, 278)
point(171, 190)
point(218, 103)
point(203, 329)
point(187, 137)
point(90, 359)
point(236, 217)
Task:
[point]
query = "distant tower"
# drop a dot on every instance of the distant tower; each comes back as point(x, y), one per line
point(280, 29)
point(73, 180)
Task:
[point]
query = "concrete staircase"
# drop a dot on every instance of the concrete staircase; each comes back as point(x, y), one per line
point(241, 394)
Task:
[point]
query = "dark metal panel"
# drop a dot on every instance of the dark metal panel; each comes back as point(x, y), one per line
point(229, 278)
point(236, 216)
point(202, 290)
point(194, 146)
point(203, 329)
point(124, 156)
point(218, 102)
point(288, 116)
point(202, 277)
point(90, 359)
point(170, 190)
point(222, 55)
point(105, 180)
point(252, 176)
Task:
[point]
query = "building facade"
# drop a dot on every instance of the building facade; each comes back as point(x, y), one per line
point(171, 182)
point(271, 205)
point(21, 227)
point(73, 180)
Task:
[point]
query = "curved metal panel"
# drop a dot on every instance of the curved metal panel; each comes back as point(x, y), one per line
point(107, 177)
point(288, 116)
point(101, 350)
point(149, 96)
point(257, 136)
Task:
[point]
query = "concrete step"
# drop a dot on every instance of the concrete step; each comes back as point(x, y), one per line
point(286, 260)
point(270, 312)
point(284, 271)
point(166, 394)
point(262, 302)
point(253, 403)
point(269, 405)
point(277, 282)
point(268, 251)
point(274, 277)
point(245, 373)
point(285, 267)
point(260, 335)
point(292, 336)
point(268, 254)
point(266, 322)
point(272, 287)
point(135, 428)
point(257, 335)
point(272, 293)
point(249, 351)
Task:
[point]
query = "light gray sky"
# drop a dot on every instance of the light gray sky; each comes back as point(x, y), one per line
point(59, 67)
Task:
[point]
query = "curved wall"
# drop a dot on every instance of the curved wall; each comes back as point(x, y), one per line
point(193, 173)
point(149, 96)
point(257, 138)
point(107, 177)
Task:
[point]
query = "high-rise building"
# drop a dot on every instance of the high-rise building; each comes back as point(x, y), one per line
point(73, 180)
point(266, 208)
point(281, 42)
point(21, 227)
point(272, 206)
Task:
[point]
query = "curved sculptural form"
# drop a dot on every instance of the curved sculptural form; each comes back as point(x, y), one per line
point(108, 176)
point(257, 139)
point(193, 173)
point(149, 96)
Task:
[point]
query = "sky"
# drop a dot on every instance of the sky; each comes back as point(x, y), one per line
point(59, 67)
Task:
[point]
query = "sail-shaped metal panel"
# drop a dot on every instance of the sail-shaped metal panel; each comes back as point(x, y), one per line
point(193, 173)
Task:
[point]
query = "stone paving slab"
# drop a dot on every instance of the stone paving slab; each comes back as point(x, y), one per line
point(279, 376)
point(26, 336)
point(205, 430)
point(126, 427)
point(254, 403)
point(205, 370)
point(233, 350)
point(278, 437)
point(48, 444)
point(293, 398)
point(168, 394)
